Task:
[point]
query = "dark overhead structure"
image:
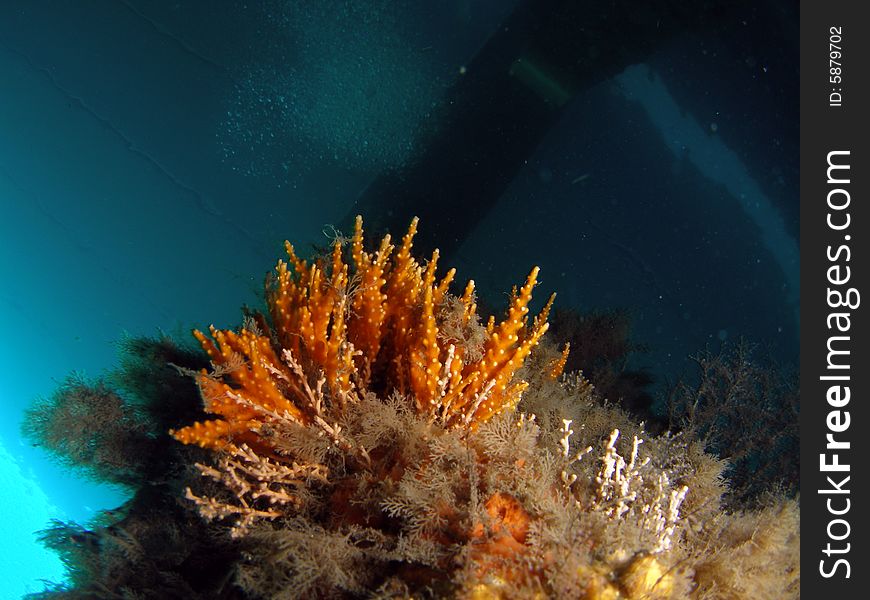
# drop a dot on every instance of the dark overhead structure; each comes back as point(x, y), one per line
point(511, 94)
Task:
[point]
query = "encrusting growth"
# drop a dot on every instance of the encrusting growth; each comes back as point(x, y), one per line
point(337, 327)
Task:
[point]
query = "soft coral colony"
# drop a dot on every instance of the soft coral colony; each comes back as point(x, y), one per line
point(336, 334)
point(368, 436)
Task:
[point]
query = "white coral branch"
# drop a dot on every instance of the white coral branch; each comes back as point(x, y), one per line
point(623, 493)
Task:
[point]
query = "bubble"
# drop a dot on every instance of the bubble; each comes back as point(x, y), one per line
point(343, 84)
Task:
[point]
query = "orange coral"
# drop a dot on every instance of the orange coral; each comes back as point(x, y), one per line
point(335, 330)
point(557, 367)
point(498, 549)
point(509, 527)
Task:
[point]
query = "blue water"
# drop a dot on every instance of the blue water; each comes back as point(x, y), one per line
point(154, 155)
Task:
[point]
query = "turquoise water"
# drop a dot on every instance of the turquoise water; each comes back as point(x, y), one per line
point(154, 156)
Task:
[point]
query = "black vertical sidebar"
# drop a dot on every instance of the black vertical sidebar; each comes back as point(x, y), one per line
point(835, 260)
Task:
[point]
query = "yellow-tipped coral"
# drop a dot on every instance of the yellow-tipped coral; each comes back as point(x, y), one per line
point(338, 326)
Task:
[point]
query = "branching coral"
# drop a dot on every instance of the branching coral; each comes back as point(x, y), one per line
point(335, 331)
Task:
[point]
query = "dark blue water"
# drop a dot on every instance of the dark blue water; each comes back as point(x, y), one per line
point(155, 155)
